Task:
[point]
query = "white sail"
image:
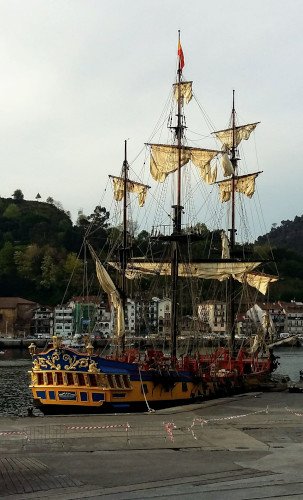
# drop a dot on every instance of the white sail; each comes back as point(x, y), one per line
point(225, 246)
point(186, 92)
point(164, 160)
point(110, 289)
point(131, 186)
point(241, 133)
point(227, 167)
point(205, 270)
point(243, 184)
point(241, 271)
point(260, 281)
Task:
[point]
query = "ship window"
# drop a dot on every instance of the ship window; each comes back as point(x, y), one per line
point(110, 381)
point(49, 378)
point(69, 379)
point(81, 379)
point(119, 382)
point(40, 378)
point(92, 380)
point(126, 381)
point(59, 378)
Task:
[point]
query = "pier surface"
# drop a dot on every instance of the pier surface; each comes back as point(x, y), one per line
point(243, 447)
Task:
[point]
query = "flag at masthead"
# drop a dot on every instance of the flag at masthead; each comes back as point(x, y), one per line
point(180, 54)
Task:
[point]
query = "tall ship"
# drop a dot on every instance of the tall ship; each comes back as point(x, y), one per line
point(64, 379)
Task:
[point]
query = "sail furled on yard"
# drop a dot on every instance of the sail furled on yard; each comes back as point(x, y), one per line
point(185, 89)
point(207, 270)
point(164, 160)
point(244, 184)
point(131, 187)
point(232, 137)
point(110, 289)
point(225, 246)
point(241, 271)
point(227, 166)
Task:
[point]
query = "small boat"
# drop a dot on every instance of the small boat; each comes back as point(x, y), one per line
point(64, 379)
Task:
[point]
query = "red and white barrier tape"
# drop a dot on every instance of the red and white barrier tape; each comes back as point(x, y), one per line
point(169, 429)
point(203, 421)
point(293, 412)
point(13, 433)
point(93, 427)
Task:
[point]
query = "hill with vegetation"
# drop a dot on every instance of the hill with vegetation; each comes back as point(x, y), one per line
point(289, 235)
point(39, 250)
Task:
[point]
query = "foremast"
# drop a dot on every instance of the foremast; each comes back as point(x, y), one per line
point(245, 184)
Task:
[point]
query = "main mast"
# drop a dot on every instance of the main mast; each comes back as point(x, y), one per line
point(231, 309)
point(177, 211)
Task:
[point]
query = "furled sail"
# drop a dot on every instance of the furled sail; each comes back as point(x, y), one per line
point(186, 92)
point(131, 186)
point(243, 184)
point(207, 270)
point(227, 167)
point(164, 160)
point(241, 271)
point(241, 133)
point(225, 246)
point(110, 289)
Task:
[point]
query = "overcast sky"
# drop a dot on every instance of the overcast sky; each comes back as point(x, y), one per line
point(77, 77)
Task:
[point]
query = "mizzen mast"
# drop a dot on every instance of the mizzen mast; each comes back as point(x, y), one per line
point(122, 186)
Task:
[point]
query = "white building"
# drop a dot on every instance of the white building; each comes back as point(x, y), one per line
point(42, 324)
point(63, 321)
point(212, 314)
point(104, 323)
point(130, 316)
point(164, 316)
point(293, 317)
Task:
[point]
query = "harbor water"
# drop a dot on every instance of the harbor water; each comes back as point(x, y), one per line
point(15, 396)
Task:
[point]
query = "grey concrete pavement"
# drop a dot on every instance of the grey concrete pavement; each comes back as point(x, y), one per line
point(245, 447)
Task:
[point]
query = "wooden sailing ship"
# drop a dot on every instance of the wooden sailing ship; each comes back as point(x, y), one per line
point(67, 380)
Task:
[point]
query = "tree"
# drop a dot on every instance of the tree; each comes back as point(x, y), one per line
point(38, 196)
point(18, 195)
point(97, 220)
point(50, 200)
point(11, 211)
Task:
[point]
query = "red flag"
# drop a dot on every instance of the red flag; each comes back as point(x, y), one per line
point(181, 56)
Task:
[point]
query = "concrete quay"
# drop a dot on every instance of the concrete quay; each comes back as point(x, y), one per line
point(243, 447)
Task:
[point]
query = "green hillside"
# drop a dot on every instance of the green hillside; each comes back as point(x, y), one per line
point(39, 246)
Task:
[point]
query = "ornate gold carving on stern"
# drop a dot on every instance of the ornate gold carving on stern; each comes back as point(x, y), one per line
point(34, 378)
point(48, 362)
point(57, 342)
point(36, 365)
point(32, 348)
point(93, 367)
point(74, 362)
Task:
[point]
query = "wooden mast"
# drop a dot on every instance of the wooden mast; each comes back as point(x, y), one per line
point(124, 250)
point(231, 298)
point(177, 221)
